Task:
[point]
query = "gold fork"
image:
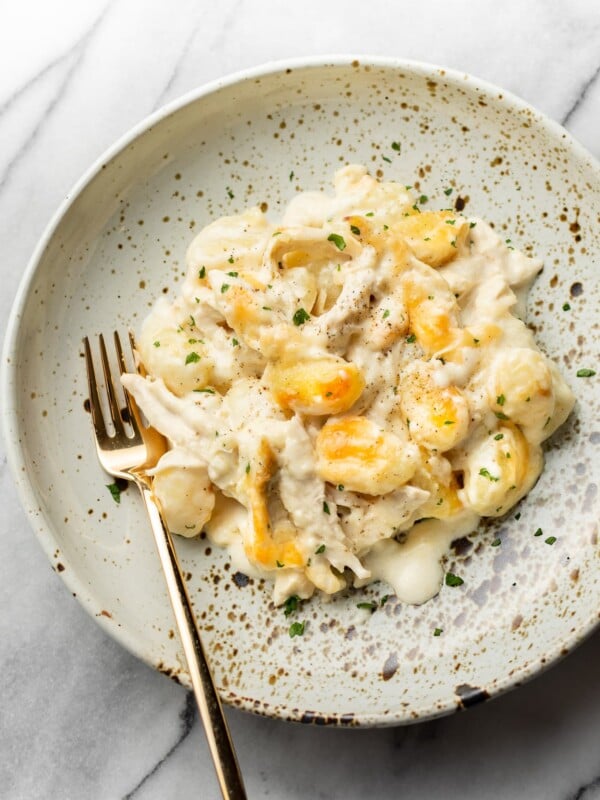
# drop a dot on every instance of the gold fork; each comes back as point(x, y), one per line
point(129, 456)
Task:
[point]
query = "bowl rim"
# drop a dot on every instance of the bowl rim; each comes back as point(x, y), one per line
point(9, 366)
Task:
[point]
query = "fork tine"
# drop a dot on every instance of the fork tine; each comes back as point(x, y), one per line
point(132, 409)
point(113, 405)
point(95, 408)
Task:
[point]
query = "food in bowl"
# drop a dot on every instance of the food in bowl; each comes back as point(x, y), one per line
point(348, 391)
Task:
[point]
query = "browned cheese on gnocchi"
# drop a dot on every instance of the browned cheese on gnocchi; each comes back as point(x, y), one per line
point(347, 391)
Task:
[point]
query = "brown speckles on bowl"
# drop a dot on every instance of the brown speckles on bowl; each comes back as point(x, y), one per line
point(496, 155)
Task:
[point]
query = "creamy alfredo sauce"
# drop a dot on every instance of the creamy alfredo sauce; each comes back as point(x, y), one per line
point(348, 391)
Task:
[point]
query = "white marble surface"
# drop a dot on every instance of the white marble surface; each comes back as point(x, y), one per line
point(80, 717)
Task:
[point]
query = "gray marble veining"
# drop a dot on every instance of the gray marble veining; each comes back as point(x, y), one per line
point(81, 718)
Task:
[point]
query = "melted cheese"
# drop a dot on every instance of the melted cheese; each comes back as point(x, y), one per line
point(327, 383)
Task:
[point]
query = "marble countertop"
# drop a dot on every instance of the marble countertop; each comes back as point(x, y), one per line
point(81, 717)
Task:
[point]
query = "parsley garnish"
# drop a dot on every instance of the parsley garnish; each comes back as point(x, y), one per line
point(385, 158)
point(566, 307)
point(326, 508)
point(448, 422)
point(231, 259)
point(202, 272)
point(501, 399)
point(496, 542)
point(499, 436)
point(585, 373)
point(501, 415)
point(233, 274)
point(448, 192)
point(235, 342)
point(206, 390)
point(296, 629)
point(550, 540)
point(437, 632)
point(423, 199)
point(472, 224)
point(486, 474)
point(453, 243)
point(453, 580)
point(291, 604)
point(247, 468)
point(386, 313)
point(396, 146)
point(291, 175)
point(410, 339)
point(267, 308)
point(337, 240)
point(539, 532)
point(320, 549)
point(300, 317)
point(115, 492)
point(340, 487)
point(192, 357)
point(355, 230)
point(370, 214)
point(367, 606)
point(450, 222)
point(156, 343)
point(230, 194)
point(279, 564)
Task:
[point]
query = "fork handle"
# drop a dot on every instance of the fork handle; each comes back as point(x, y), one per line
point(209, 705)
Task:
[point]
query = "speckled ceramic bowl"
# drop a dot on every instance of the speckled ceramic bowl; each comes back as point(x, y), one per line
point(118, 242)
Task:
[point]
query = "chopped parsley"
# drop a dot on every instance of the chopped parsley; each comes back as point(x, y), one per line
point(280, 564)
point(448, 191)
point(233, 274)
point(453, 243)
point(337, 240)
point(385, 158)
point(235, 342)
point(550, 540)
point(499, 436)
point(206, 390)
point(267, 308)
point(300, 317)
point(423, 199)
point(192, 358)
point(496, 542)
point(326, 508)
point(396, 146)
point(410, 339)
point(230, 194)
point(539, 532)
point(320, 549)
point(291, 175)
point(472, 224)
point(566, 307)
point(247, 468)
point(585, 373)
point(370, 214)
point(448, 422)
point(501, 415)
point(231, 259)
point(296, 629)
point(486, 474)
point(115, 491)
point(202, 272)
point(355, 230)
point(501, 399)
point(367, 606)
point(438, 632)
point(453, 580)
point(291, 604)
point(156, 343)
point(518, 515)
point(224, 287)
point(340, 487)
point(386, 313)
point(450, 222)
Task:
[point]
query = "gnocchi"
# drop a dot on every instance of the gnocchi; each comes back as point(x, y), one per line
point(329, 382)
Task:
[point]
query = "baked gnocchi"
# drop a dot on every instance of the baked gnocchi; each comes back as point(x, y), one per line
point(329, 381)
